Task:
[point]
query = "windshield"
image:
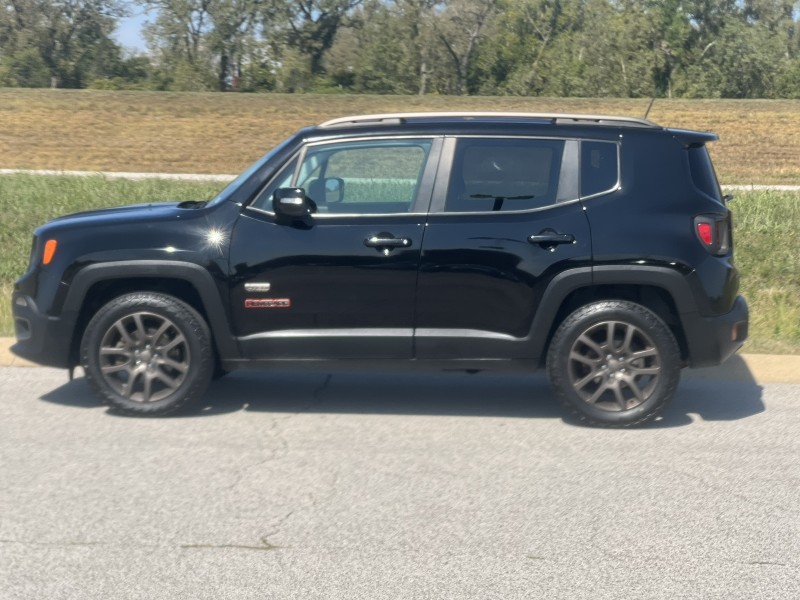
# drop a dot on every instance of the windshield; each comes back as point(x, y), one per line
point(234, 185)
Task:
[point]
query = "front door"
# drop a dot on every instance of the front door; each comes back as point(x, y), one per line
point(340, 284)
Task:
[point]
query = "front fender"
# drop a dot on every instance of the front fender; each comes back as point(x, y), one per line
point(195, 275)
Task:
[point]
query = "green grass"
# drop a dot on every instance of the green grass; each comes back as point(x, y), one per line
point(766, 226)
point(767, 251)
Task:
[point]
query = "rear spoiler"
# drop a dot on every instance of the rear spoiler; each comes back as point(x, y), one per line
point(693, 139)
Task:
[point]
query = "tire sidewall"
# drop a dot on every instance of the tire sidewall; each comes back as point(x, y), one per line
point(558, 361)
point(191, 325)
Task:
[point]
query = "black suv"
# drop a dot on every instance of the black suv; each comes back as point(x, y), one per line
point(597, 247)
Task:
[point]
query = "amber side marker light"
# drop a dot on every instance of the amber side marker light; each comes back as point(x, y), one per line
point(49, 251)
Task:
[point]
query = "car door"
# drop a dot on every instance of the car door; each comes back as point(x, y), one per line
point(505, 220)
point(340, 283)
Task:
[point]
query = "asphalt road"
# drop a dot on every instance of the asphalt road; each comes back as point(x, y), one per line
point(396, 486)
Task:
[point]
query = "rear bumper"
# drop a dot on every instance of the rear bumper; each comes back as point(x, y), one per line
point(711, 340)
point(41, 339)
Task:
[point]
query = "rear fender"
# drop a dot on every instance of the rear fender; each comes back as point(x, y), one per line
point(551, 310)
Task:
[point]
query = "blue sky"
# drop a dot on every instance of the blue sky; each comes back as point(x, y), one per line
point(129, 31)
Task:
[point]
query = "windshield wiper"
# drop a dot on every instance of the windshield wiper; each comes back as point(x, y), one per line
point(192, 204)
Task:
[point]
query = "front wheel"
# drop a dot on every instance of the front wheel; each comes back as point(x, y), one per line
point(147, 353)
point(614, 364)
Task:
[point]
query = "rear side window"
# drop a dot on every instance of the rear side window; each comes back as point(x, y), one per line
point(504, 174)
point(703, 175)
point(599, 168)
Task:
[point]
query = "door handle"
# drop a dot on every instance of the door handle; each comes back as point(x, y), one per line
point(387, 242)
point(551, 238)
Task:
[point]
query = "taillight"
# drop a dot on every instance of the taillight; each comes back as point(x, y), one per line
point(714, 233)
point(706, 233)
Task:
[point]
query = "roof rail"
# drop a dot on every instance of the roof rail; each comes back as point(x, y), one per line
point(399, 118)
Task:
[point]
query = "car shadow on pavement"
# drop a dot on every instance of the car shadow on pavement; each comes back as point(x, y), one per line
point(74, 393)
point(722, 394)
point(725, 393)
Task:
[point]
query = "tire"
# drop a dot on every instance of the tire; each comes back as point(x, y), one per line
point(614, 364)
point(147, 354)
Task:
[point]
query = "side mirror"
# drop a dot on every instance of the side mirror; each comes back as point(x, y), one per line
point(334, 190)
point(291, 203)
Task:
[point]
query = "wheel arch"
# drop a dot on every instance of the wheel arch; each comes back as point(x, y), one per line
point(96, 285)
point(662, 290)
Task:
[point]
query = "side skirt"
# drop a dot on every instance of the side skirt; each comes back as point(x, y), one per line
point(318, 365)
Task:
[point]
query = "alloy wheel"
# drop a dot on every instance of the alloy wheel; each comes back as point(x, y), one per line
point(614, 366)
point(144, 357)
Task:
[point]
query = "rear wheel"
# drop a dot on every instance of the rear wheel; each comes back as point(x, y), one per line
point(614, 364)
point(147, 353)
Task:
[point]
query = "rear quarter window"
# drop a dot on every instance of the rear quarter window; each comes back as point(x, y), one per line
point(703, 175)
point(599, 167)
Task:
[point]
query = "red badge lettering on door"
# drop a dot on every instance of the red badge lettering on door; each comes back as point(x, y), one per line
point(267, 303)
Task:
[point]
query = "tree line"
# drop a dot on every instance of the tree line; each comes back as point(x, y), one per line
point(590, 48)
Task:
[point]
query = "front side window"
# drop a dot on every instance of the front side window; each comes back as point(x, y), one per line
point(246, 183)
point(283, 179)
point(369, 177)
point(491, 175)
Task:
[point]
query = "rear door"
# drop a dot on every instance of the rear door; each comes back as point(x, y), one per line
point(505, 220)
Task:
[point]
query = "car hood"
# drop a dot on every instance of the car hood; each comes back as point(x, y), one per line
point(135, 213)
point(150, 209)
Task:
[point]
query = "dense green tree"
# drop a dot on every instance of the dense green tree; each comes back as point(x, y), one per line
point(234, 21)
point(744, 62)
point(521, 58)
point(71, 38)
point(629, 48)
point(460, 27)
point(620, 61)
point(202, 44)
point(313, 26)
point(24, 68)
point(388, 47)
point(176, 39)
